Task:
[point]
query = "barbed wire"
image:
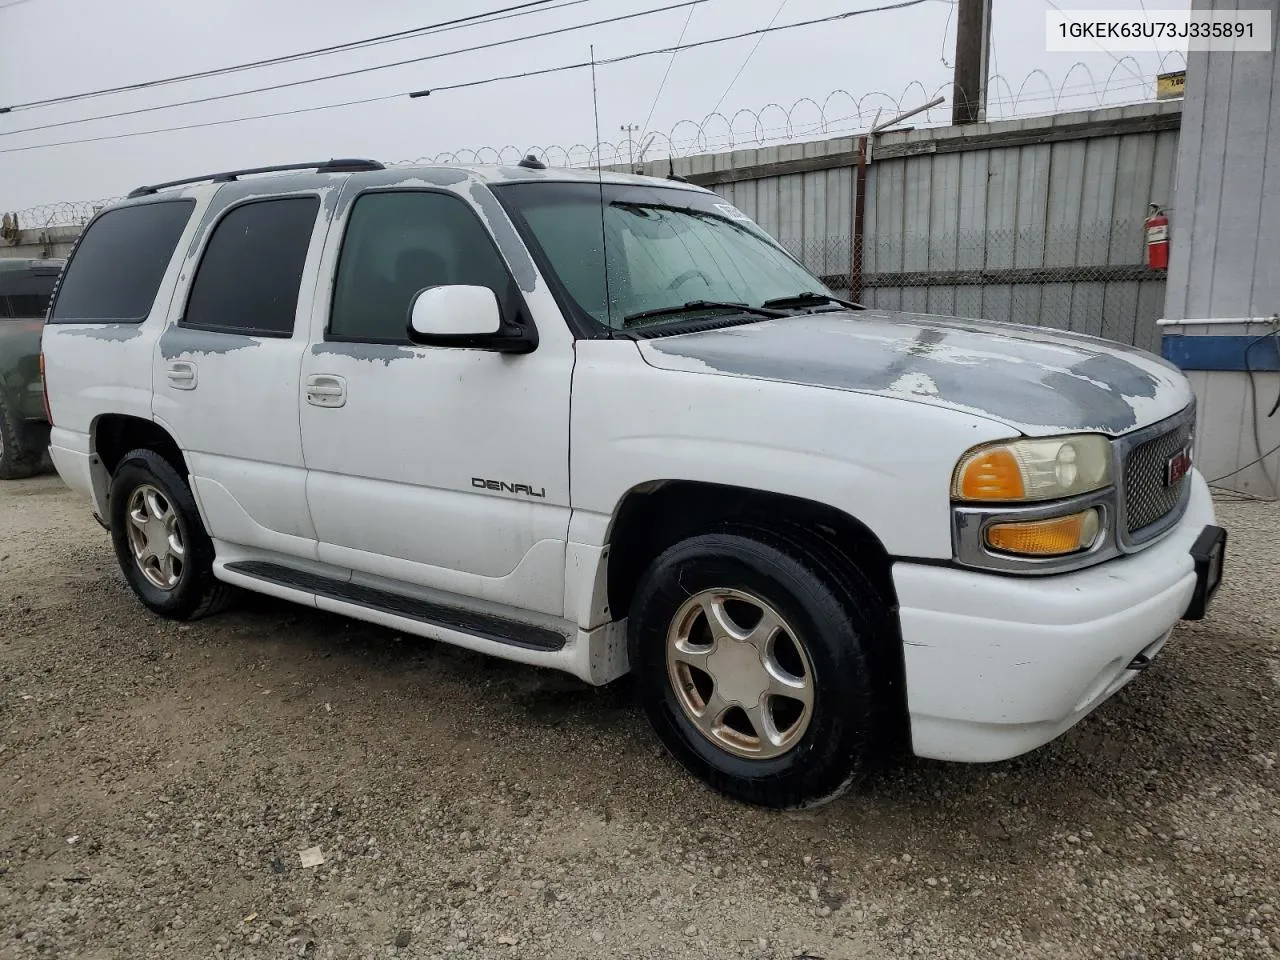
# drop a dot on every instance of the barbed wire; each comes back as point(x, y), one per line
point(840, 112)
point(65, 214)
point(1035, 95)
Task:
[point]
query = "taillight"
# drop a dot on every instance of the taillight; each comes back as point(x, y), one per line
point(44, 389)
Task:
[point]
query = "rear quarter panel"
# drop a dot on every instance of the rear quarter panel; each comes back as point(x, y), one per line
point(92, 369)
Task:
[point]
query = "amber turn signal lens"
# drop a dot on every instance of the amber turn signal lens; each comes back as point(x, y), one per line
point(1046, 538)
point(992, 475)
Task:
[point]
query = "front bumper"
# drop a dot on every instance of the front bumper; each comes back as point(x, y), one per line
point(999, 665)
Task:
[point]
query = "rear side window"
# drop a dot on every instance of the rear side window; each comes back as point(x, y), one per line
point(25, 293)
point(119, 262)
point(251, 270)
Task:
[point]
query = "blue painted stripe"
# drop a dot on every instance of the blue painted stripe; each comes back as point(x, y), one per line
point(1221, 353)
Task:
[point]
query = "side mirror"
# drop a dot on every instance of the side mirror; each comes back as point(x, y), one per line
point(466, 316)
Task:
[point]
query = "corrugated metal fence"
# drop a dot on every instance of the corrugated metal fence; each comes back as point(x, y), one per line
point(1035, 221)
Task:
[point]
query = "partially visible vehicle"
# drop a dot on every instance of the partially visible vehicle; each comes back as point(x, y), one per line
point(26, 287)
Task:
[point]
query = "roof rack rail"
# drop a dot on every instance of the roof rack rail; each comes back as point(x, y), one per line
point(324, 166)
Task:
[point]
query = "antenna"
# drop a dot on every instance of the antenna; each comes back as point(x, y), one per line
point(604, 236)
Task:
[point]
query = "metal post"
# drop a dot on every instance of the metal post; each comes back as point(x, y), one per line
point(629, 129)
point(859, 219)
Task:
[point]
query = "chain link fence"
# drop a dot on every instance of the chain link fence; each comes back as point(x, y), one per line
point(1090, 279)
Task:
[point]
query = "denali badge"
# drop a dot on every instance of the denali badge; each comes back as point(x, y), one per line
point(1178, 466)
point(503, 487)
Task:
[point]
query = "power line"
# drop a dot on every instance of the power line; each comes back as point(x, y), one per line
point(902, 4)
point(354, 72)
point(670, 63)
point(1155, 46)
point(946, 29)
point(759, 40)
point(12, 3)
point(469, 85)
point(444, 26)
point(825, 126)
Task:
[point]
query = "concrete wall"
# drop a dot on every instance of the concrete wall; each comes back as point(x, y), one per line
point(1225, 254)
point(41, 244)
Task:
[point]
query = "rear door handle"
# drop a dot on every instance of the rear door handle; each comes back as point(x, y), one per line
point(326, 390)
point(182, 375)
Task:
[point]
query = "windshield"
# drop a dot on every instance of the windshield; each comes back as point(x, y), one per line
point(668, 248)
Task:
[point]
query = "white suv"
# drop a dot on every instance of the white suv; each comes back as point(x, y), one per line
point(610, 426)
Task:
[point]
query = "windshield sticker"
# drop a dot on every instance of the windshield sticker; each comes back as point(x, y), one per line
point(732, 212)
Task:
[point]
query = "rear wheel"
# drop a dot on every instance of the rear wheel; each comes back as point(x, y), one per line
point(160, 543)
point(17, 459)
point(754, 668)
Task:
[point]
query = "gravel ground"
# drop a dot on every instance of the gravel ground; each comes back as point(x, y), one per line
point(160, 783)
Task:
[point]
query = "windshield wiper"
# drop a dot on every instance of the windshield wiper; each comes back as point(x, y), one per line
point(808, 298)
point(695, 305)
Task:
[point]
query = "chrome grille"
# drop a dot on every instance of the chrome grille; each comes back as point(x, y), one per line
point(1147, 499)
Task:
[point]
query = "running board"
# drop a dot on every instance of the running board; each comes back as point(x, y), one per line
point(496, 629)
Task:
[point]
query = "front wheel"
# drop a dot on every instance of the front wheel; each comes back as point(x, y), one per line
point(160, 543)
point(754, 668)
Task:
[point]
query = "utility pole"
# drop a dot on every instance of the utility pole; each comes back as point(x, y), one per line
point(973, 44)
point(630, 129)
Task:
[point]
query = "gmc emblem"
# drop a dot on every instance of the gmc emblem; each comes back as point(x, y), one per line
point(1178, 466)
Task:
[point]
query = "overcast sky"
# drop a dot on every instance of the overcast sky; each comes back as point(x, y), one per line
point(53, 48)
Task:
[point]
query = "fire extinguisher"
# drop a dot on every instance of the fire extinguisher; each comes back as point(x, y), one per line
point(1157, 225)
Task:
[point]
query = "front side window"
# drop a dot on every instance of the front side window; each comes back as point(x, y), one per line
point(666, 248)
point(251, 271)
point(118, 263)
point(399, 243)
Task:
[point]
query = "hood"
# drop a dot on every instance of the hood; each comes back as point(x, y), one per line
point(1038, 380)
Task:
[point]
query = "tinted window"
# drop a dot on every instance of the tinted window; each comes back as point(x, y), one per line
point(251, 270)
point(25, 292)
point(400, 243)
point(118, 264)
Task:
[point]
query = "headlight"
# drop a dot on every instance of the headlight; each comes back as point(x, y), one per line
point(1032, 470)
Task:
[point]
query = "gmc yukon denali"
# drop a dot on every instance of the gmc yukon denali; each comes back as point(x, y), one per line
point(607, 425)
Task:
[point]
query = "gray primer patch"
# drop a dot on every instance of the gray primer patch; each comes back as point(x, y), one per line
point(521, 173)
point(177, 341)
point(374, 352)
point(1021, 375)
point(444, 176)
point(329, 198)
point(105, 331)
point(509, 241)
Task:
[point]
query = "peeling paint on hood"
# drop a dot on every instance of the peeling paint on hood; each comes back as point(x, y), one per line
point(1037, 380)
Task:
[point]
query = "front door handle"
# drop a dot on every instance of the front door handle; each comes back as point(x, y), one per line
point(182, 375)
point(326, 390)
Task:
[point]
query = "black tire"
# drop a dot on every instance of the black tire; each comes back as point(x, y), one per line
point(197, 594)
point(17, 459)
point(834, 619)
